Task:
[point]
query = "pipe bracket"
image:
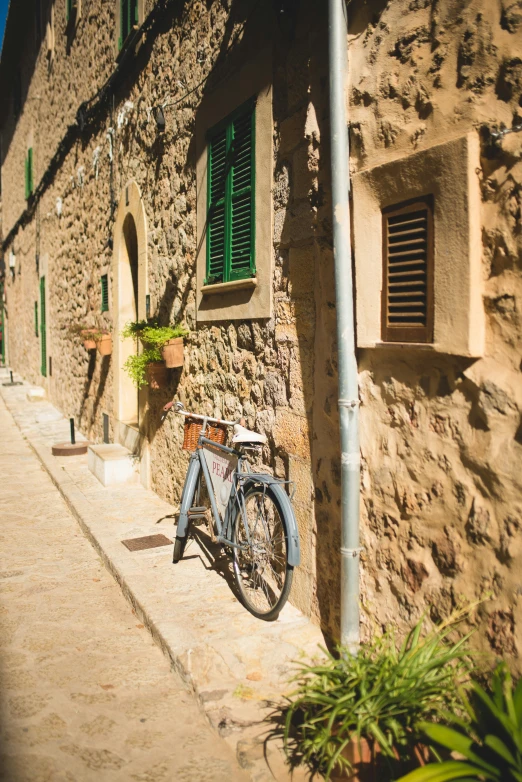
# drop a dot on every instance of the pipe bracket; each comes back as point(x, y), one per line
point(348, 402)
point(351, 552)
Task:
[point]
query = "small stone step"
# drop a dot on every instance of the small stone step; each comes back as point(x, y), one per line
point(111, 464)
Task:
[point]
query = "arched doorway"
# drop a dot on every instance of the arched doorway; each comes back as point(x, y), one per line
point(128, 311)
point(130, 296)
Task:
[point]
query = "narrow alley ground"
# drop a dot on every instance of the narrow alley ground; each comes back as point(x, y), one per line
point(85, 694)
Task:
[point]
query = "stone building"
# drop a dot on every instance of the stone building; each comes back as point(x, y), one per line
point(106, 219)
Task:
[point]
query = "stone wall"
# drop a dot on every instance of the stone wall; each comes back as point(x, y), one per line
point(441, 439)
point(440, 436)
point(264, 370)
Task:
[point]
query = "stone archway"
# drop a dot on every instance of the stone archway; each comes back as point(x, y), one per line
point(130, 288)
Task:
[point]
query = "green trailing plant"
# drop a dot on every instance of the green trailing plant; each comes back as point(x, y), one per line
point(134, 328)
point(136, 366)
point(380, 695)
point(150, 333)
point(488, 739)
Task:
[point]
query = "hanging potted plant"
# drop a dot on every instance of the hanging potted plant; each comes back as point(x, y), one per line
point(356, 717)
point(89, 343)
point(86, 334)
point(147, 367)
point(163, 342)
point(103, 342)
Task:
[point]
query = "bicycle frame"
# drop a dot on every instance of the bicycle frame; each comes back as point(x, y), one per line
point(240, 476)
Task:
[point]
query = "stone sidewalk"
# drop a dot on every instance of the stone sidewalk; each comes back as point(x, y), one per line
point(237, 666)
point(86, 695)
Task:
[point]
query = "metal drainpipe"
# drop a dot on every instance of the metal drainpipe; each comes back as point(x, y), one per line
point(348, 381)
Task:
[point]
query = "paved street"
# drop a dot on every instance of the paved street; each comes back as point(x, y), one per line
point(85, 694)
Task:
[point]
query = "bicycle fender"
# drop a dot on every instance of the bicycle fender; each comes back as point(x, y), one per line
point(187, 496)
point(294, 549)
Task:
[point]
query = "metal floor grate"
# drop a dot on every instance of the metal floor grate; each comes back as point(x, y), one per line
point(149, 541)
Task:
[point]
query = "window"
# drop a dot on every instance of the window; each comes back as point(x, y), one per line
point(36, 333)
point(407, 292)
point(104, 280)
point(448, 284)
point(73, 12)
point(29, 173)
point(230, 198)
point(128, 19)
point(43, 331)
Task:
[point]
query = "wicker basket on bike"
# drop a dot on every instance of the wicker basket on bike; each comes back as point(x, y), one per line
point(192, 431)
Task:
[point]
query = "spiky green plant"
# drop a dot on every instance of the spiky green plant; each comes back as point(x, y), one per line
point(381, 694)
point(489, 740)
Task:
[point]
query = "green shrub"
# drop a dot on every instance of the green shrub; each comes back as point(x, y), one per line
point(136, 366)
point(151, 334)
point(380, 695)
point(490, 739)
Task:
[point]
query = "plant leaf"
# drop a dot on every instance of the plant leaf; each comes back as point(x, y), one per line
point(445, 772)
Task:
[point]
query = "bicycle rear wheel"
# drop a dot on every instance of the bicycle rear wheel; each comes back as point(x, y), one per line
point(261, 568)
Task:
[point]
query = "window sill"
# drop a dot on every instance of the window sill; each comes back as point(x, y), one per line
point(225, 287)
point(429, 346)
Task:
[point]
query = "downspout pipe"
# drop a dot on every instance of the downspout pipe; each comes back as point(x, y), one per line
point(347, 365)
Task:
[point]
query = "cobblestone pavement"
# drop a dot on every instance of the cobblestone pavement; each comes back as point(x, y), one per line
point(85, 693)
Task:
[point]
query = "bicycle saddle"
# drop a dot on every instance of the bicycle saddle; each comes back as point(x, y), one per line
point(243, 435)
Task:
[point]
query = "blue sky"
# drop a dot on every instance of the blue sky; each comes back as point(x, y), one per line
point(4, 4)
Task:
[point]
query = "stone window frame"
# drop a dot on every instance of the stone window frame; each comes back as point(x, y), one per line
point(448, 172)
point(252, 297)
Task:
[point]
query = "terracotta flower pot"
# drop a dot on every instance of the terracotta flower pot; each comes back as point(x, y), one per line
point(156, 375)
point(368, 764)
point(363, 758)
point(172, 353)
point(104, 345)
point(88, 342)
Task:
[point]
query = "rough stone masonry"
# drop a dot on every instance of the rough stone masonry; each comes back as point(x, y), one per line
point(441, 435)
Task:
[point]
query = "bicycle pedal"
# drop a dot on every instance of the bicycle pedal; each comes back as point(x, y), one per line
point(197, 511)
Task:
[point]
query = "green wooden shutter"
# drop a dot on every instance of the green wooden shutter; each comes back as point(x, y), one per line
point(230, 199)
point(217, 177)
point(26, 177)
point(104, 293)
point(128, 18)
point(242, 226)
point(36, 319)
point(30, 170)
point(43, 331)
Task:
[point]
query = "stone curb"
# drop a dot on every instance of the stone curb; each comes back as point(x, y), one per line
point(223, 696)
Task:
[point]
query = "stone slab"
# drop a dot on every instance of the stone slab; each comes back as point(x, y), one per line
point(36, 394)
point(111, 463)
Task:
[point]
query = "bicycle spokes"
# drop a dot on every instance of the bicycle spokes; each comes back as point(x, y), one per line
point(262, 562)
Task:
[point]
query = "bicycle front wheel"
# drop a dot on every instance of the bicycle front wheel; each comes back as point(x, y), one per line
point(261, 568)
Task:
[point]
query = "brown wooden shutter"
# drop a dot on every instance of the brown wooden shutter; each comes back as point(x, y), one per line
point(407, 294)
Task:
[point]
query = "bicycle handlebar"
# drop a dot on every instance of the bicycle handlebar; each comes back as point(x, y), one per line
point(179, 409)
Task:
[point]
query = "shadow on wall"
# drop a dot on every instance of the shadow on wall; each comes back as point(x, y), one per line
point(306, 298)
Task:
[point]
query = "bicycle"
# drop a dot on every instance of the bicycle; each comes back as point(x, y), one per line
point(250, 511)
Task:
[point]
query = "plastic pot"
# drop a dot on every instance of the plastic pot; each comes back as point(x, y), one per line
point(172, 353)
